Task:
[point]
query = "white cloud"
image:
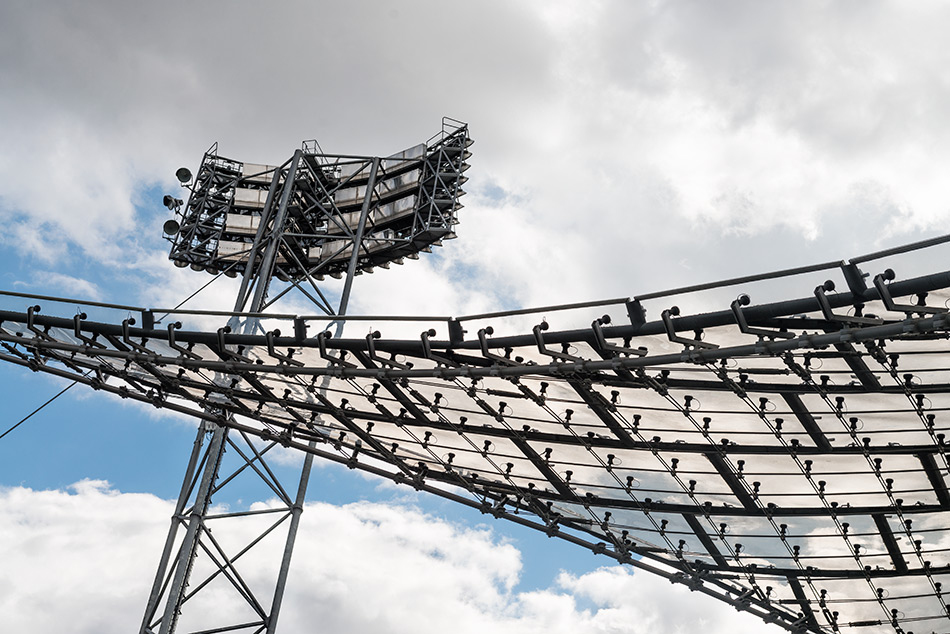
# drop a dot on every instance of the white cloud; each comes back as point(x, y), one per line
point(66, 552)
point(81, 561)
point(65, 284)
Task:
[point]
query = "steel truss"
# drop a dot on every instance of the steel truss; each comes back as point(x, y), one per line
point(788, 458)
point(195, 559)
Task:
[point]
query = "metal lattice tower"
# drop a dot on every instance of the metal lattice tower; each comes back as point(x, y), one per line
point(315, 215)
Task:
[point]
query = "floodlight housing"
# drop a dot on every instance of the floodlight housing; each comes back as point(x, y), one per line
point(171, 227)
point(407, 202)
point(171, 202)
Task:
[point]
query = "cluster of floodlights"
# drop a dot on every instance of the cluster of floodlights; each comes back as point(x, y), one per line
point(320, 208)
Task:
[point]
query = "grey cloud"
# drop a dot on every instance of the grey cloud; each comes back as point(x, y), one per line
point(121, 93)
point(849, 77)
point(633, 141)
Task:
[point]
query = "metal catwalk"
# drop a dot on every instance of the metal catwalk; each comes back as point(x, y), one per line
point(777, 442)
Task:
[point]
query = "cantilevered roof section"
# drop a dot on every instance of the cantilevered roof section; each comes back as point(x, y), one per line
point(787, 455)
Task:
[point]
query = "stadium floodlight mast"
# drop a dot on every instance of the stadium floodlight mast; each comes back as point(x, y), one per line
point(317, 214)
point(788, 457)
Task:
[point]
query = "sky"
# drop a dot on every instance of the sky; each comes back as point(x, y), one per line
point(620, 148)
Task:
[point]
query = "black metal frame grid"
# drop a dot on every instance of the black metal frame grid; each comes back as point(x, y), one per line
point(321, 207)
point(787, 458)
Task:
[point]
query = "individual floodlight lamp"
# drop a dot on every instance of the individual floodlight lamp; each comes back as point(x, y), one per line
point(173, 204)
point(171, 228)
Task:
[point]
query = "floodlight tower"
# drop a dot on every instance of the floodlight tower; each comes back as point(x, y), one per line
point(316, 215)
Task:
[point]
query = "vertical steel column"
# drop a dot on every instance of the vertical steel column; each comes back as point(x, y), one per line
point(241, 301)
point(358, 240)
point(308, 458)
point(260, 276)
point(183, 496)
point(291, 539)
point(186, 555)
point(266, 271)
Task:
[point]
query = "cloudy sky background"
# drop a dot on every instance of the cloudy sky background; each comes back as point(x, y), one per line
point(620, 148)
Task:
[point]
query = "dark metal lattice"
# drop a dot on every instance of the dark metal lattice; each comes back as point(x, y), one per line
point(788, 458)
point(388, 208)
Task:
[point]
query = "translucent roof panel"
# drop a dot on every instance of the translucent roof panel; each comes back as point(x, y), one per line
point(787, 458)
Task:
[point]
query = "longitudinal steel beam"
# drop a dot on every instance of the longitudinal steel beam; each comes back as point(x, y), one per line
point(890, 542)
point(936, 478)
point(705, 539)
point(729, 477)
point(807, 419)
